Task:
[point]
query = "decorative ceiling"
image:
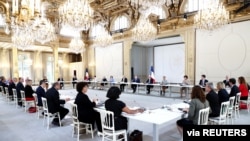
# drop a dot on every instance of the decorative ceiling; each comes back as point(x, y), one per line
point(105, 11)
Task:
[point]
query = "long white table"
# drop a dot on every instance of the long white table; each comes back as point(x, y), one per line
point(159, 117)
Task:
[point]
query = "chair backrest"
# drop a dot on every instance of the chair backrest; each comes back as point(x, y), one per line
point(107, 120)
point(22, 94)
point(237, 99)
point(45, 105)
point(231, 104)
point(203, 116)
point(6, 90)
point(74, 113)
point(35, 97)
point(14, 92)
point(224, 110)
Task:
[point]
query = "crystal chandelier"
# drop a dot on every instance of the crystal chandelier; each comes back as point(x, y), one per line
point(27, 25)
point(77, 14)
point(103, 38)
point(211, 17)
point(144, 30)
point(147, 3)
point(76, 45)
point(21, 37)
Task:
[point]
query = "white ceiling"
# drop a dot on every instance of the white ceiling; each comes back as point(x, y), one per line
point(160, 42)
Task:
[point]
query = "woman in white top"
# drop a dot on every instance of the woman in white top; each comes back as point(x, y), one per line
point(164, 82)
point(184, 82)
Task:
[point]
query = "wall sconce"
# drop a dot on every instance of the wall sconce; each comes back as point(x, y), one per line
point(185, 17)
point(158, 22)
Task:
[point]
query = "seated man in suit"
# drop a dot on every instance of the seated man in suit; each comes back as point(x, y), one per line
point(60, 80)
point(149, 81)
point(234, 87)
point(40, 91)
point(122, 85)
point(135, 80)
point(54, 101)
point(213, 99)
point(104, 82)
point(203, 81)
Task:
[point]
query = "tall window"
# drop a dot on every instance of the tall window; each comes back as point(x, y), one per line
point(94, 30)
point(50, 69)
point(24, 65)
point(121, 22)
point(195, 5)
point(158, 11)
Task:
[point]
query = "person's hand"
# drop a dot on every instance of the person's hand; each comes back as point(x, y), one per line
point(185, 110)
point(96, 101)
point(67, 99)
point(140, 110)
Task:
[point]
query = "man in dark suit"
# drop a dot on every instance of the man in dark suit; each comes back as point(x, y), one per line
point(213, 99)
point(203, 80)
point(40, 91)
point(135, 80)
point(122, 85)
point(19, 87)
point(60, 80)
point(234, 88)
point(12, 85)
point(54, 101)
point(226, 82)
point(74, 81)
point(148, 82)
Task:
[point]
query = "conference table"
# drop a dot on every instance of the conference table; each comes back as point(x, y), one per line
point(157, 117)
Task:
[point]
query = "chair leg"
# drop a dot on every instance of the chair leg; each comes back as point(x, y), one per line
point(48, 119)
point(59, 119)
point(78, 132)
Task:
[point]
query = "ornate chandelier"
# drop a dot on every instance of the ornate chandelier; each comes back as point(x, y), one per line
point(76, 45)
point(77, 14)
point(103, 38)
point(144, 30)
point(21, 37)
point(212, 17)
point(26, 25)
point(147, 3)
point(44, 30)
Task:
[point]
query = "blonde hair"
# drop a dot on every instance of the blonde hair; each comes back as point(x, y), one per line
point(220, 85)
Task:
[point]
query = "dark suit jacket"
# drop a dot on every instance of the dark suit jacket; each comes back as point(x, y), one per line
point(223, 96)
point(19, 87)
point(234, 91)
point(86, 113)
point(213, 100)
point(226, 83)
point(200, 83)
point(150, 81)
point(61, 81)
point(53, 100)
point(74, 79)
point(136, 80)
point(124, 80)
point(11, 86)
point(28, 91)
point(40, 93)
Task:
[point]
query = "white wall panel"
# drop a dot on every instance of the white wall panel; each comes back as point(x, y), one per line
point(109, 61)
point(169, 60)
point(223, 52)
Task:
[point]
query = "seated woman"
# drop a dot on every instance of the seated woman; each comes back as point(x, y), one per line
point(222, 93)
point(86, 113)
point(198, 102)
point(104, 82)
point(184, 82)
point(117, 106)
point(28, 90)
point(243, 88)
